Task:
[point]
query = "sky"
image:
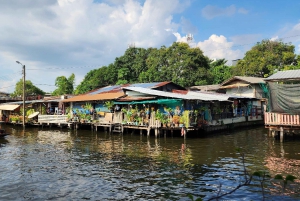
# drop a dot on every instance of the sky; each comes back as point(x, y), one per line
point(59, 37)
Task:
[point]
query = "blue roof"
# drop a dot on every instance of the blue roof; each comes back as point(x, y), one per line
point(145, 85)
point(114, 87)
point(104, 89)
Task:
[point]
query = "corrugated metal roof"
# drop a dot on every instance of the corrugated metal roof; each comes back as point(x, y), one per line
point(211, 96)
point(9, 107)
point(26, 102)
point(149, 85)
point(237, 85)
point(189, 96)
point(102, 96)
point(213, 87)
point(218, 96)
point(104, 89)
point(250, 80)
point(116, 88)
point(285, 75)
point(132, 98)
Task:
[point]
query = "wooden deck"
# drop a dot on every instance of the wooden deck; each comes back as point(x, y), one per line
point(282, 119)
point(282, 123)
point(60, 120)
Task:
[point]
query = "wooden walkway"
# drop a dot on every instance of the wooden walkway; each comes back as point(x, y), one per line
point(282, 123)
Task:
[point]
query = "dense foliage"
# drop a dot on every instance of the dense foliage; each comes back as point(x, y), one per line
point(265, 58)
point(185, 66)
point(64, 85)
point(178, 63)
point(30, 89)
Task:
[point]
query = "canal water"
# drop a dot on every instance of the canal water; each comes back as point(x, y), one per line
point(44, 164)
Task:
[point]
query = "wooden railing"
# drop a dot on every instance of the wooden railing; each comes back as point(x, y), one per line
point(52, 118)
point(281, 119)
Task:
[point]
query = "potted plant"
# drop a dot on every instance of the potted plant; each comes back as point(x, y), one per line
point(109, 105)
point(89, 107)
point(176, 119)
point(181, 121)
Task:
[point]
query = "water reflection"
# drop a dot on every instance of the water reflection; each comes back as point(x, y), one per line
point(75, 165)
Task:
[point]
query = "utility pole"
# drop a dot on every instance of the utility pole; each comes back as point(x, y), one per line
point(23, 93)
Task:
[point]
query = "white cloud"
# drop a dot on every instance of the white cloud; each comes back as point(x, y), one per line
point(211, 12)
point(219, 47)
point(243, 11)
point(53, 34)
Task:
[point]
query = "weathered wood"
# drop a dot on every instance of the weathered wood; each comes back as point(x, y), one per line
point(279, 119)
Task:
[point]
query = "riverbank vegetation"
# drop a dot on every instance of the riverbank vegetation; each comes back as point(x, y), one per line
point(180, 64)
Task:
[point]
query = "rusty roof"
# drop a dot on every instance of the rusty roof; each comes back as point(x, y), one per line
point(132, 98)
point(102, 96)
point(118, 88)
point(212, 87)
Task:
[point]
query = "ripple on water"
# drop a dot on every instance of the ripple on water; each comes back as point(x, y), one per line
point(88, 166)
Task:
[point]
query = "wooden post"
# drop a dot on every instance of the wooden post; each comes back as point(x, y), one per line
point(281, 134)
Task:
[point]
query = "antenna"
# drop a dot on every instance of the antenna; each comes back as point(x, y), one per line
point(131, 45)
point(189, 37)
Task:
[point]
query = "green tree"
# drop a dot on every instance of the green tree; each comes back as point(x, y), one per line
point(64, 85)
point(106, 75)
point(178, 63)
point(219, 71)
point(265, 58)
point(30, 89)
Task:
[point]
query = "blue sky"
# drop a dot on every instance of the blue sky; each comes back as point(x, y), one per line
point(59, 37)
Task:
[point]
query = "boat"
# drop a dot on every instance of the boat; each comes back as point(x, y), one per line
point(3, 133)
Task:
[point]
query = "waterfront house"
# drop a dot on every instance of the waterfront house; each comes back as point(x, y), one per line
point(252, 87)
point(283, 111)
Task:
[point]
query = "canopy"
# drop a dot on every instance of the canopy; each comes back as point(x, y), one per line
point(159, 101)
point(234, 86)
point(9, 107)
point(33, 115)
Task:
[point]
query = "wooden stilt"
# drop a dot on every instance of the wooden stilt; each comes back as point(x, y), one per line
point(281, 134)
point(148, 131)
point(273, 133)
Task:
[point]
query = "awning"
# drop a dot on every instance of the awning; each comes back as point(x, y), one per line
point(9, 107)
point(95, 97)
point(33, 115)
point(234, 86)
point(159, 101)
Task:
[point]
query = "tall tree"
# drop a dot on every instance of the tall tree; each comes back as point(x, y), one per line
point(178, 63)
point(30, 89)
point(106, 75)
point(64, 85)
point(264, 58)
point(219, 71)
